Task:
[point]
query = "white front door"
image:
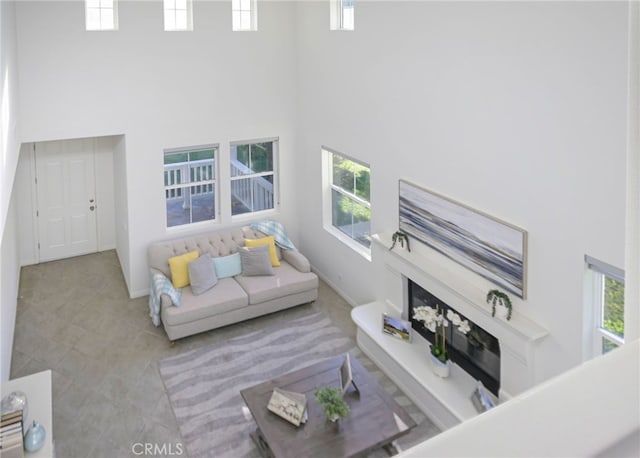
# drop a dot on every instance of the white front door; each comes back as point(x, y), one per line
point(67, 208)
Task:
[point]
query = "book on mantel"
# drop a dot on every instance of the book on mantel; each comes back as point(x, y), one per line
point(289, 405)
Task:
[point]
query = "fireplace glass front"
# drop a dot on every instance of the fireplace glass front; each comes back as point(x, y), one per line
point(477, 352)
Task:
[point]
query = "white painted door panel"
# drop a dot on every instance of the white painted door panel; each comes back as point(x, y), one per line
point(66, 199)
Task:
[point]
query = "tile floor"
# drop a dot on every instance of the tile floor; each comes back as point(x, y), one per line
point(74, 317)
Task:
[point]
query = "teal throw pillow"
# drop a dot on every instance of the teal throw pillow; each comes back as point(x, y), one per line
point(228, 266)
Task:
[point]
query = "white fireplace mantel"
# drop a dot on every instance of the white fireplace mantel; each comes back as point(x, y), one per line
point(453, 284)
point(460, 289)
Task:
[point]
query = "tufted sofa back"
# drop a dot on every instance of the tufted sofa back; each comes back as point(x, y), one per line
point(220, 243)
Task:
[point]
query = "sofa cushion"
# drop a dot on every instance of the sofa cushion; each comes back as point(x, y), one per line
point(285, 281)
point(265, 241)
point(179, 269)
point(227, 295)
point(202, 274)
point(255, 261)
point(228, 266)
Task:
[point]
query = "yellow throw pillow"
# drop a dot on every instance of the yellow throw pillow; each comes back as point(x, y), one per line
point(180, 270)
point(270, 242)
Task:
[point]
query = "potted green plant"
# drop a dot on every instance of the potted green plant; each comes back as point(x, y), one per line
point(399, 236)
point(498, 298)
point(333, 406)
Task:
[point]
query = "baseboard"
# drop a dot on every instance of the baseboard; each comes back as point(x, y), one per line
point(138, 293)
point(335, 287)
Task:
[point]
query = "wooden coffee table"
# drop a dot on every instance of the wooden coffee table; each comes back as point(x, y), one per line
point(374, 421)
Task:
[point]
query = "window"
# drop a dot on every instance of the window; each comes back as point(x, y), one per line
point(101, 14)
point(244, 15)
point(606, 296)
point(347, 198)
point(253, 167)
point(341, 14)
point(190, 185)
point(177, 15)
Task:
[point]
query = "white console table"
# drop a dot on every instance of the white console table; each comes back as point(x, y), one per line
point(37, 387)
point(447, 402)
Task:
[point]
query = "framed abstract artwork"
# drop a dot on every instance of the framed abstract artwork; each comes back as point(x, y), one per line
point(492, 248)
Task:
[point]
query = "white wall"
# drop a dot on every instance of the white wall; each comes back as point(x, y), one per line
point(104, 163)
point(632, 261)
point(517, 109)
point(9, 278)
point(583, 412)
point(8, 106)
point(9, 268)
point(160, 90)
point(121, 205)
point(26, 200)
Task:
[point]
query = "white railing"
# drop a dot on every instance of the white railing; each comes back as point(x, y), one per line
point(254, 192)
point(181, 173)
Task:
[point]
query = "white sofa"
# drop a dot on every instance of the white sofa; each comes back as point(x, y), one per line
point(232, 299)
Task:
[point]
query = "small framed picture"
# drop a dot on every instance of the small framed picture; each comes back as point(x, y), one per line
point(481, 399)
point(396, 327)
point(346, 376)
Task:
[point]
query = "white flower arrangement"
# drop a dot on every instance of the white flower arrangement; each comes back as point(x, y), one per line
point(436, 322)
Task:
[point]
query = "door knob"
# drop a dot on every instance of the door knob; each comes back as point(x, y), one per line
point(92, 208)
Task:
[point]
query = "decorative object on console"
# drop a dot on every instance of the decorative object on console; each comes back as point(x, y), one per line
point(13, 402)
point(333, 406)
point(34, 439)
point(489, 247)
point(399, 236)
point(501, 301)
point(481, 399)
point(396, 327)
point(435, 321)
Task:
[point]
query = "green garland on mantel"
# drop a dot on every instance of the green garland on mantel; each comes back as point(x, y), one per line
point(399, 236)
point(497, 297)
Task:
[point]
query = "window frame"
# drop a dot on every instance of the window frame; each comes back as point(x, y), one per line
point(174, 10)
point(100, 8)
point(596, 273)
point(337, 10)
point(327, 200)
point(214, 182)
point(236, 13)
point(274, 173)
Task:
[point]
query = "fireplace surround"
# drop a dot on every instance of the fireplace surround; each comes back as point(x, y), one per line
point(445, 401)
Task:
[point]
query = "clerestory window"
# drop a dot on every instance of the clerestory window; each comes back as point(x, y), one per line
point(341, 14)
point(178, 15)
point(244, 15)
point(101, 14)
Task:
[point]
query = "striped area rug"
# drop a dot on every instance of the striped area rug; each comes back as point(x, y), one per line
point(204, 384)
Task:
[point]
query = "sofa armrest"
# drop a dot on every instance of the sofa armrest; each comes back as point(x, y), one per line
point(297, 260)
